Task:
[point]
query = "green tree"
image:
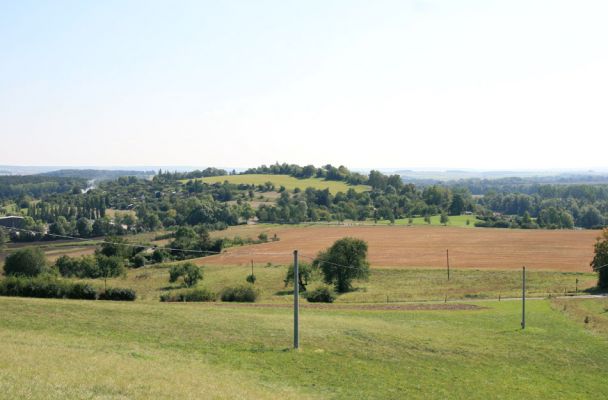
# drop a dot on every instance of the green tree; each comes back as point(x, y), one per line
point(159, 255)
point(83, 267)
point(84, 227)
point(457, 205)
point(29, 261)
point(190, 273)
point(444, 218)
point(427, 218)
point(305, 275)
point(343, 262)
point(114, 246)
point(110, 267)
point(591, 217)
point(600, 260)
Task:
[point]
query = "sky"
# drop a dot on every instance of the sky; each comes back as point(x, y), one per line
point(386, 84)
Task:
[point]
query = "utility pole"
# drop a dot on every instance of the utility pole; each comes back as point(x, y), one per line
point(523, 298)
point(447, 256)
point(296, 301)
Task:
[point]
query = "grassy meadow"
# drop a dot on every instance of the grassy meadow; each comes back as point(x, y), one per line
point(455, 220)
point(353, 349)
point(289, 182)
point(62, 349)
point(396, 284)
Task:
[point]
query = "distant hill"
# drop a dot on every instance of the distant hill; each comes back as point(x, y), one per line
point(96, 174)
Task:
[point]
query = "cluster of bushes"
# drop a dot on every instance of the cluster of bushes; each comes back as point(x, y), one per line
point(189, 295)
point(321, 295)
point(242, 293)
point(118, 294)
point(49, 287)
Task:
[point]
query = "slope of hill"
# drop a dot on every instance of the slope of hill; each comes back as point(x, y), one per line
point(289, 182)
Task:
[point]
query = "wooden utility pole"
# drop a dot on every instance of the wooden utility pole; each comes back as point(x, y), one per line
point(523, 298)
point(296, 301)
point(447, 256)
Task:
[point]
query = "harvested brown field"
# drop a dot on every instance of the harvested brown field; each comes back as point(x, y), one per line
point(403, 246)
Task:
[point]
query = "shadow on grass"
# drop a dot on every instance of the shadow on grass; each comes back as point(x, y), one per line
point(596, 290)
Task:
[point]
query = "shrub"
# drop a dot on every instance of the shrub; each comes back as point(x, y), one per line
point(240, 294)
point(80, 291)
point(159, 255)
point(321, 295)
point(189, 295)
point(139, 261)
point(46, 287)
point(118, 294)
point(29, 261)
point(35, 287)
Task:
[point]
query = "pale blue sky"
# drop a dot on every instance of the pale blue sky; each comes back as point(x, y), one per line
point(418, 84)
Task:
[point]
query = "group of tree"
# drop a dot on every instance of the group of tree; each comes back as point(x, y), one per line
point(172, 200)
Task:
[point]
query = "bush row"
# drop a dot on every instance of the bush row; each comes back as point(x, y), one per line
point(45, 287)
point(189, 295)
point(241, 293)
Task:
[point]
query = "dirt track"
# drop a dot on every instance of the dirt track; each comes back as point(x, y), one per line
point(361, 307)
point(402, 246)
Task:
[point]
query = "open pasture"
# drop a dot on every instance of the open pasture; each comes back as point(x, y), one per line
point(420, 246)
point(289, 182)
point(68, 349)
point(384, 284)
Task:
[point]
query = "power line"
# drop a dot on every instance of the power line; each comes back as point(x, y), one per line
point(330, 262)
point(145, 246)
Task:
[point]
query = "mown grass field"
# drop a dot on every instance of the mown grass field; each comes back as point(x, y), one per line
point(289, 182)
point(62, 349)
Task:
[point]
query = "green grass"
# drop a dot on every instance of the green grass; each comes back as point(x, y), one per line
point(289, 182)
point(61, 349)
point(455, 220)
point(397, 284)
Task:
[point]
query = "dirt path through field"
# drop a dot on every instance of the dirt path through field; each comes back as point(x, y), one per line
point(402, 246)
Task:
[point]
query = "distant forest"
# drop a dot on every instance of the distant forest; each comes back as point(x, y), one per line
point(66, 205)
